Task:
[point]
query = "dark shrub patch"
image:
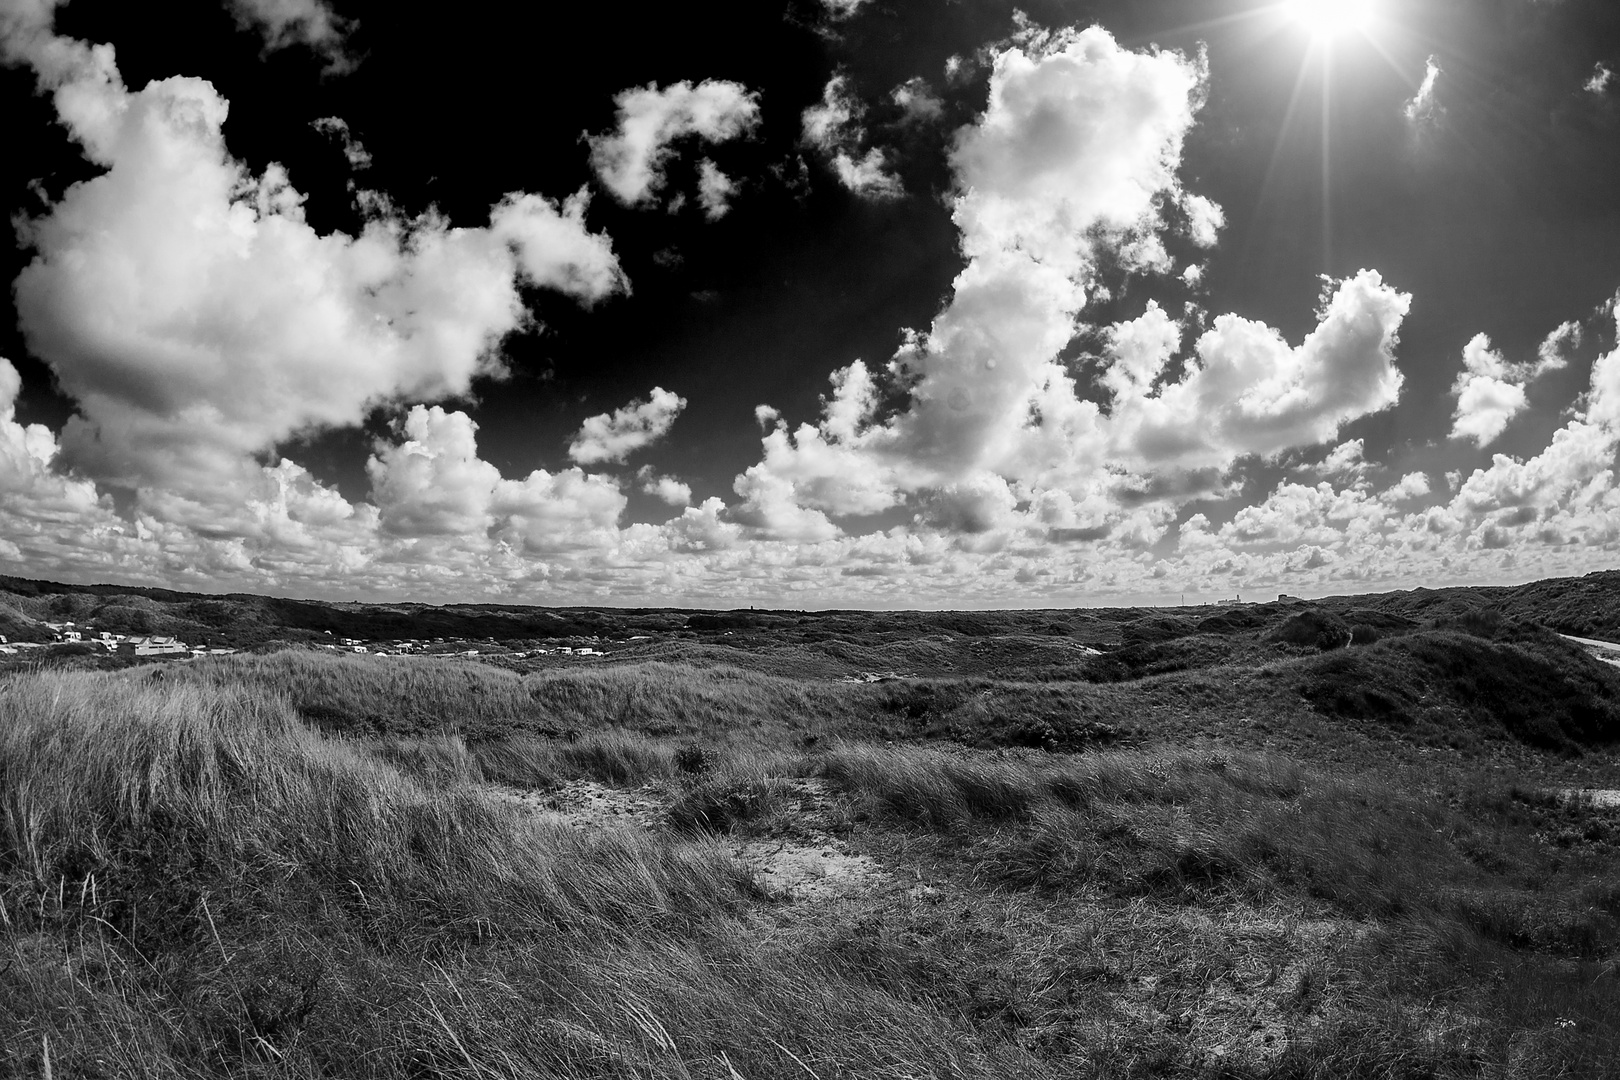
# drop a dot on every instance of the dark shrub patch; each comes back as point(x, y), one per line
point(1480, 622)
point(1322, 629)
point(1156, 628)
point(721, 803)
point(1538, 689)
point(922, 703)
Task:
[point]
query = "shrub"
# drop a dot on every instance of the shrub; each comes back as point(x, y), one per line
point(721, 803)
point(1482, 622)
point(1362, 634)
point(1323, 629)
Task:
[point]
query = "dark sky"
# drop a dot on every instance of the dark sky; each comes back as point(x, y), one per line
point(220, 390)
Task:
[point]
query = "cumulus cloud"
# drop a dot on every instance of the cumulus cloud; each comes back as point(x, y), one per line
point(1490, 391)
point(715, 190)
point(833, 127)
point(433, 484)
point(1602, 78)
point(665, 488)
point(1346, 459)
point(38, 501)
point(1249, 392)
point(918, 100)
point(1424, 109)
point(207, 305)
point(1205, 219)
point(198, 320)
point(312, 23)
point(1078, 147)
point(1413, 485)
point(631, 160)
point(613, 437)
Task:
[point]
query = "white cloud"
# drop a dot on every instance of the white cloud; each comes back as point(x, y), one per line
point(1413, 485)
point(1081, 138)
point(1553, 352)
point(834, 128)
point(298, 22)
point(612, 437)
point(1249, 392)
point(842, 9)
point(715, 190)
point(198, 320)
point(433, 485)
point(337, 127)
point(1602, 78)
point(665, 488)
point(1205, 219)
point(868, 175)
point(918, 100)
point(1490, 391)
point(1346, 459)
point(631, 160)
point(1424, 109)
point(1017, 480)
point(37, 499)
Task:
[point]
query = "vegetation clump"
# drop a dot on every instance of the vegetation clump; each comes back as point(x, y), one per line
point(1312, 627)
point(1148, 845)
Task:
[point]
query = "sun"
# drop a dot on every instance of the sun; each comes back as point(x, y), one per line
point(1329, 19)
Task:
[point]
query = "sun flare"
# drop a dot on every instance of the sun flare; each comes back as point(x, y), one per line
point(1329, 19)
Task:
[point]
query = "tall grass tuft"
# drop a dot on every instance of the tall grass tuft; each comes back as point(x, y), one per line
point(196, 883)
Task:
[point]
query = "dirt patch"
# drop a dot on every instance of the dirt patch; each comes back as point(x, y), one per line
point(1596, 798)
point(585, 804)
point(798, 872)
point(806, 862)
point(806, 859)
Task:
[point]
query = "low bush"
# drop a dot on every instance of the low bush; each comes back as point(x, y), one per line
point(1313, 627)
point(723, 802)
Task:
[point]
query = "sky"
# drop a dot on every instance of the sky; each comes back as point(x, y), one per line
point(824, 303)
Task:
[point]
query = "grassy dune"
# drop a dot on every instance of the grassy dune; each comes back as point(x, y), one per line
point(300, 865)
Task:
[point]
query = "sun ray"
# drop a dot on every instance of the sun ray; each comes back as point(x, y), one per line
point(1327, 161)
point(1298, 92)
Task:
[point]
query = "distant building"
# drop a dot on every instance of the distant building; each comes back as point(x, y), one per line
point(159, 646)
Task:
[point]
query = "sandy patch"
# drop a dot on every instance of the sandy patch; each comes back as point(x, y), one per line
point(797, 872)
point(586, 804)
point(811, 864)
point(1597, 798)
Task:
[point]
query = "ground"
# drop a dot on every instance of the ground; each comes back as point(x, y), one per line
point(1247, 844)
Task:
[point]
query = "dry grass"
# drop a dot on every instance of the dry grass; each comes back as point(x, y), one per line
point(197, 884)
point(197, 881)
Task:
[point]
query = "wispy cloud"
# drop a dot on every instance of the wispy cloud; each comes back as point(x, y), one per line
point(311, 23)
point(833, 127)
point(631, 160)
point(1424, 109)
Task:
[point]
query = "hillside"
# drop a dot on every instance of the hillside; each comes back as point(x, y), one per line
point(1587, 606)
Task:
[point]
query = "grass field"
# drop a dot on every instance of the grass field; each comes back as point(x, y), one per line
point(1293, 863)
